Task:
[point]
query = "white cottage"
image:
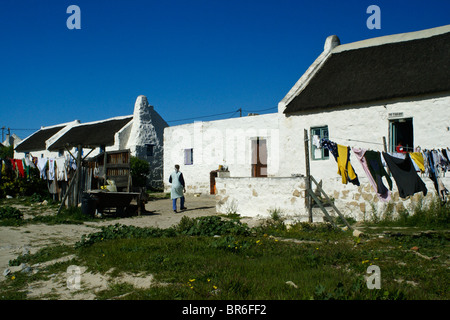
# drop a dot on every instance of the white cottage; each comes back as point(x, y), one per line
point(369, 94)
point(141, 133)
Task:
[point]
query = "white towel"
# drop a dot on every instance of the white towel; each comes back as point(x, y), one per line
point(42, 165)
point(51, 169)
point(61, 172)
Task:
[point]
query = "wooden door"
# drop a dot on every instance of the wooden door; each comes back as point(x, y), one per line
point(259, 158)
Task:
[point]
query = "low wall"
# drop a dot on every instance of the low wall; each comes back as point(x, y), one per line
point(362, 203)
point(258, 197)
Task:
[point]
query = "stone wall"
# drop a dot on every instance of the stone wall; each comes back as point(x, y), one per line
point(259, 197)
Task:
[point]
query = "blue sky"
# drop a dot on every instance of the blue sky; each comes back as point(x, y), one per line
point(191, 58)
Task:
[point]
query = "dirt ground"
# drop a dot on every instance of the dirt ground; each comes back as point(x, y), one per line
point(15, 241)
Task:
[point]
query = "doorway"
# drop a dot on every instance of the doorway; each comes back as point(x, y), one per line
point(259, 158)
point(401, 131)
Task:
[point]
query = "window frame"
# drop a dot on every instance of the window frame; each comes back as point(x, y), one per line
point(188, 160)
point(323, 133)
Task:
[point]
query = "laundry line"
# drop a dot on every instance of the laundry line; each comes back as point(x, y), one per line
point(369, 142)
point(403, 166)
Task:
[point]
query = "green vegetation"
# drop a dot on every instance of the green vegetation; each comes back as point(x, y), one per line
point(13, 186)
point(435, 214)
point(139, 170)
point(221, 258)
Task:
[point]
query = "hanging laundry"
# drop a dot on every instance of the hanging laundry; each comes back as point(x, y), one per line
point(61, 172)
point(42, 165)
point(345, 169)
point(371, 163)
point(26, 168)
point(18, 166)
point(316, 141)
point(331, 146)
point(418, 160)
point(405, 176)
point(51, 169)
point(446, 155)
point(443, 163)
point(433, 174)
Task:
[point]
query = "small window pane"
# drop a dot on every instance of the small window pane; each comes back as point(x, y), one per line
point(322, 133)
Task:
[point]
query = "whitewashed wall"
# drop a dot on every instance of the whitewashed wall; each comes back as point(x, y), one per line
point(431, 121)
point(368, 123)
point(221, 142)
point(363, 126)
point(260, 197)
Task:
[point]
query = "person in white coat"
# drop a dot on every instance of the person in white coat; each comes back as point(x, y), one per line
point(178, 188)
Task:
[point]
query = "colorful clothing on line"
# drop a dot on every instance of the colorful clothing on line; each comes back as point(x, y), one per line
point(345, 169)
point(371, 163)
point(405, 175)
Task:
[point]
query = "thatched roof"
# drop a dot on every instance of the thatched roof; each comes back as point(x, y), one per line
point(36, 141)
point(379, 72)
point(93, 134)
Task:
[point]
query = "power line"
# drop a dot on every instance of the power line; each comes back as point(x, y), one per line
point(201, 117)
point(24, 129)
point(272, 108)
point(231, 113)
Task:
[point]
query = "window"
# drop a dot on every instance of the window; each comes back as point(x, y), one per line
point(149, 150)
point(321, 133)
point(188, 156)
point(401, 132)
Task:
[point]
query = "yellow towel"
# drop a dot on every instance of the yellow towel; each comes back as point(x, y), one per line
point(418, 159)
point(345, 169)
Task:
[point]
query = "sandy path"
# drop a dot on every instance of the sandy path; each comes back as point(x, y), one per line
point(15, 241)
point(32, 237)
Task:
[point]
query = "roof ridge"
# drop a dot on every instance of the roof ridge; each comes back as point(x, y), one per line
point(393, 38)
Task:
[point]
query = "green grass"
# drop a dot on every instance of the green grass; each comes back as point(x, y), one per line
point(431, 214)
point(258, 267)
point(217, 258)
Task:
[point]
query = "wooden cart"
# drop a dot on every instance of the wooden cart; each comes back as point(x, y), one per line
point(101, 200)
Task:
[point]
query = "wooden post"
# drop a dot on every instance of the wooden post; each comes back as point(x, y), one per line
point(331, 202)
point(69, 190)
point(79, 176)
point(308, 178)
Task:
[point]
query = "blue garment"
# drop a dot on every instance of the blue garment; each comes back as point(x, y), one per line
point(331, 146)
point(174, 203)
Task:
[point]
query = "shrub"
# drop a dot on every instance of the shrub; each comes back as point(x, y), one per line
point(210, 226)
point(203, 226)
point(10, 216)
point(24, 186)
point(118, 231)
point(8, 212)
point(139, 170)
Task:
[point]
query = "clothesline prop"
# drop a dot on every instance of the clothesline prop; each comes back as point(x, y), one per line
point(404, 168)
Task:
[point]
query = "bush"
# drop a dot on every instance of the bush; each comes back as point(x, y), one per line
point(139, 170)
point(8, 212)
point(210, 226)
point(202, 226)
point(10, 216)
point(24, 186)
point(118, 231)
